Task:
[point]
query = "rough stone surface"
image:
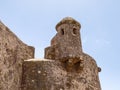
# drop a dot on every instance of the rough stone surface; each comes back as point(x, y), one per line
point(66, 47)
point(67, 42)
point(65, 67)
point(12, 53)
point(52, 75)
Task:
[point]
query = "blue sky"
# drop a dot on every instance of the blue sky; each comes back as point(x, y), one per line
point(33, 21)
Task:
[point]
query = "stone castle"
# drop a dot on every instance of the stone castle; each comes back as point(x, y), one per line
point(65, 66)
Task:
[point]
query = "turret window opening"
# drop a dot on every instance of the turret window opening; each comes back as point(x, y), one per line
point(74, 31)
point(62, 31)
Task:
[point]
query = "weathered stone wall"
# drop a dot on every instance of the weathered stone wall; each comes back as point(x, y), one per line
point(80, 70)
point(12, 53)
point(67, 41)
point(66, 66)
point(52, 75)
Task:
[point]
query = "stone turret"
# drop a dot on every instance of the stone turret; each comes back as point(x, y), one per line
point(66, 44)
point(68, 38)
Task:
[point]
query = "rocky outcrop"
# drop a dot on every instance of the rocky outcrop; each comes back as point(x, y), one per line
point(12, 53)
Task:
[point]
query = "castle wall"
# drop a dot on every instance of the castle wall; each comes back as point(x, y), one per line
point(45, 74)
point(12, 53)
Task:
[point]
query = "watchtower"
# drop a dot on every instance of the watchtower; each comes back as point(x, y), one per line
point(66, 44)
